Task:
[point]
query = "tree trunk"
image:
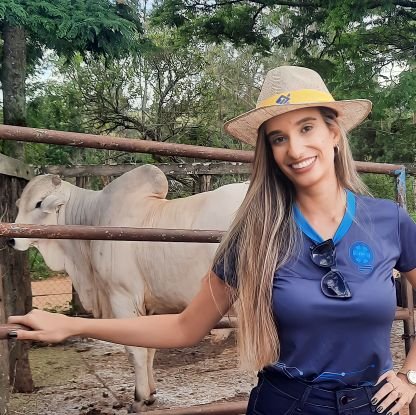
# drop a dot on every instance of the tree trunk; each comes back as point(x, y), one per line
point(13, 76)
point(17, 289)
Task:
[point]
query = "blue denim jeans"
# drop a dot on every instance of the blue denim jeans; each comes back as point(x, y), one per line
point(279, 395)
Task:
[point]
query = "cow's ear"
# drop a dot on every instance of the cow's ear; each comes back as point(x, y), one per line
point(17, 203)
point(51, 203)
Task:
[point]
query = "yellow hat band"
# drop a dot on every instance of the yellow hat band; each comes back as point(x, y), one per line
point(301, 96)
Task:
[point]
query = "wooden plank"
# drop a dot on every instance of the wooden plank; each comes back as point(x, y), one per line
point(207, 168)
point(198, 168)
point(15, 168)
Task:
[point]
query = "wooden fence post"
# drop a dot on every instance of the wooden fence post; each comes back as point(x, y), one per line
point(14, 271)
point(205, 182)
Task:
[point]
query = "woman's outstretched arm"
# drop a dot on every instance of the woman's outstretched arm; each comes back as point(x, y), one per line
point(158, 331)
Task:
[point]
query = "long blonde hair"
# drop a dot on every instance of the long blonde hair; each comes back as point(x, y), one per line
point(262, 237)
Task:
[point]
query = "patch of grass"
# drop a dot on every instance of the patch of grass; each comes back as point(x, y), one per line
point(37, 267)
point(53, 366)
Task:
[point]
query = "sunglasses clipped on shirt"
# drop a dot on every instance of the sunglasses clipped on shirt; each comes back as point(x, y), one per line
point(333, 284)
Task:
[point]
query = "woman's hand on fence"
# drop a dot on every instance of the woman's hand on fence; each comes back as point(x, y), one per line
point(46, 327)
point(395, 391)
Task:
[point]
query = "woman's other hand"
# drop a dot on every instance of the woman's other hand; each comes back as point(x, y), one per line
point(396, 391)
point(46, 327)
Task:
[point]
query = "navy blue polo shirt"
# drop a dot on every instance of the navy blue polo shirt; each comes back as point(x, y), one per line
point(334, 342)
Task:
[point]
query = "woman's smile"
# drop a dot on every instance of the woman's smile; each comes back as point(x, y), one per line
point(302, 166)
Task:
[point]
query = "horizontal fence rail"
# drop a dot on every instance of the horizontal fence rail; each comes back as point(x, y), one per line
point(379, 168)
point(90, 233)
point(9, 132)
point(231, 322)
point(196, 168)
point(223, 408)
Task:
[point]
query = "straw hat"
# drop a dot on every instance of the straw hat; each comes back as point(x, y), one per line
point(288, 88)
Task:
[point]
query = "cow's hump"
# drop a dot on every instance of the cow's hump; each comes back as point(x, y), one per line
point(148, 179)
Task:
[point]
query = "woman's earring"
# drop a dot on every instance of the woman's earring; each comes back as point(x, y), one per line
point(336, 149)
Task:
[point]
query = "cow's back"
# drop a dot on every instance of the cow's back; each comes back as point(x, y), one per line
point(177, 268)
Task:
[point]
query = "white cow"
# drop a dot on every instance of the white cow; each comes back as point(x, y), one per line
point(125, 279)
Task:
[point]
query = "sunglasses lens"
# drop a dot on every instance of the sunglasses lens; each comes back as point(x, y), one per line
point(334, 285)
point(323, 254)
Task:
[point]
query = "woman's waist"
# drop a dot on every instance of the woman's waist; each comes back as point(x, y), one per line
point(274, 384)
point(338, 373)
point(296, 386)
point(329, 379)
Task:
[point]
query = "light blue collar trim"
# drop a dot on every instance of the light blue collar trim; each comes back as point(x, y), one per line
point(343, 227)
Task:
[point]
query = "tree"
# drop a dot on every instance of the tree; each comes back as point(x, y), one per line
point(176, 93)
point(27, 27)
point(56, 105)
point(301, 22)
point(353, 44)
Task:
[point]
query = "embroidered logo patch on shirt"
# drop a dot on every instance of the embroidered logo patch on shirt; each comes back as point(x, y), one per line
point(362, 255)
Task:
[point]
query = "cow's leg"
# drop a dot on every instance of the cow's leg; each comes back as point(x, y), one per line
point(138, 356)
point(124, 306)
point(150, 374)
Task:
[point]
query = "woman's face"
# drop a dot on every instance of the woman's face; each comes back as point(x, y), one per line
point(303, 146)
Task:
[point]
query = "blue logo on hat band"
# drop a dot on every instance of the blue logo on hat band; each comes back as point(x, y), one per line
point(283, 99)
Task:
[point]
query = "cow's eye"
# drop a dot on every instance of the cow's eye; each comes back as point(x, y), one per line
point(38, 204)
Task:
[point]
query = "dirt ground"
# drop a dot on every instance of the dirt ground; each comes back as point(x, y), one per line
point(95, 378)
point(91, 377)
point(52, 293)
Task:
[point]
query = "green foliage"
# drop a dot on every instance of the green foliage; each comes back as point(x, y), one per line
point(383, 186)
point(304, 24)
point(234, 21)
point(66, 26)
point(53, 105)
point(172, 92)
point(37, 267)
point(380, 185)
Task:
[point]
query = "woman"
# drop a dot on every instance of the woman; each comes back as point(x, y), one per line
point(308, 261)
